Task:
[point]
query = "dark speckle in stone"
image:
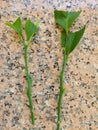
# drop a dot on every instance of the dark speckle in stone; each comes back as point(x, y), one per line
point(4, 36)
point(2, 80)
point(25, 2)
point(68, 5)
point(2, 97)
point(28, 105)
point(44, 126)
point(24, 128)
point(20, 12)
point(48, 33)
point(15, 120)
point(87, 62)
point(36, 101)
point(43, 7)
point(11, 94)
point(92, 103)
point(6, 112)
point(51, 87)
point(7, 104)
point(92, 76)
point(25, 18)
point(56, 65)
point(20, 87)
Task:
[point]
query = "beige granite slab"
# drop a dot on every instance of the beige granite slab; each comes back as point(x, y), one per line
point(79, 109)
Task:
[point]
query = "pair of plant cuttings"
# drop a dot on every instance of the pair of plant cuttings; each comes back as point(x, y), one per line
point(30, 29)
point(69, 41)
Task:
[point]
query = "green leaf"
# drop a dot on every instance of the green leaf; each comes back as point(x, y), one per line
point(17, 26)
point(63, 38)
point(77, 38)
point(61, 17)
point(72, 16)
point(30, 29)
point(65, 19)
point(72, 40)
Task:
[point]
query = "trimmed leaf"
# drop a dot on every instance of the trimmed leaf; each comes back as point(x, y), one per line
point(60, 18)
point(65, 19)
point(9, 24)
point(30, 29)
point(17, 26)
point(71, 41)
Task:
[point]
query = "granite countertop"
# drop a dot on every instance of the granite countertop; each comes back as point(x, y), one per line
point(79, 108)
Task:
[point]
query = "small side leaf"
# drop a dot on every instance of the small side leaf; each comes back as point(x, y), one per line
point(30, 29)
point(65, 19)
point(17, 26)
point(67, 41)
point(77, 38)
point(71, 41)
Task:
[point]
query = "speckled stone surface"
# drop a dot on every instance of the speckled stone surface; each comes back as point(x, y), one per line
point(79, 109)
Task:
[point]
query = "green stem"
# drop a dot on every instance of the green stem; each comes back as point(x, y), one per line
point(29, 82)
point(62, 90)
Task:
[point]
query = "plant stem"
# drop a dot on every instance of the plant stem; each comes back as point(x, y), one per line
point(29, 82)
point(62, 90)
